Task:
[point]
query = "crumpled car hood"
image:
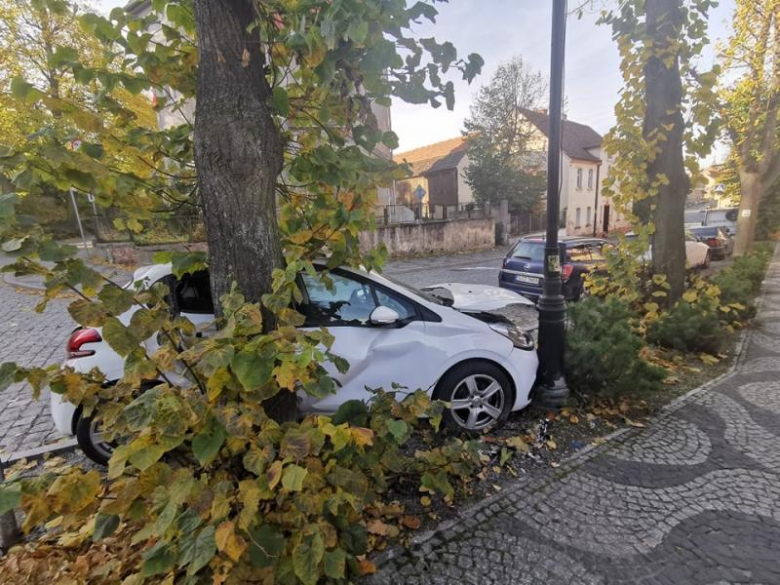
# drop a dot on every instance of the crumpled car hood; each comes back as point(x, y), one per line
point(479, 297)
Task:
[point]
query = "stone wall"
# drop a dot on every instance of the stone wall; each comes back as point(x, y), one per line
point(408, 239)
point(432, 237)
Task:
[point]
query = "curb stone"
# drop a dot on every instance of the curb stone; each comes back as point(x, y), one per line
point(422, 544)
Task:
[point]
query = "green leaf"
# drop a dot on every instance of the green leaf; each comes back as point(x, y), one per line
point(87, 313)
point(251, 369)
point(206, 445)
point(158, 559)
point(266, 546)
point(306, 558)
point(197, 551)
point(398, 429)
point(281, 101)
point(22, 90)
point(292, 478)
point(10, 496)
point(438, 483)
point(354, 412)
point(119, 337)
point(7, 375)
point(105, 525)
point(355, 539)
point(335, 562)
point(115, 299)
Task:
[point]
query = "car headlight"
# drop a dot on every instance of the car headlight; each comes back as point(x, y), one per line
point(520, 339)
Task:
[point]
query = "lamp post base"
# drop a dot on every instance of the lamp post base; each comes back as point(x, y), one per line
point(554, 395)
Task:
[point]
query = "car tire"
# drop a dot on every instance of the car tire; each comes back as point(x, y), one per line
point(88, 438)
point(479, 393)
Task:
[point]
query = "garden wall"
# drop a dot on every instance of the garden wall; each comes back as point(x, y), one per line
point(432, 237)
point(409, 239)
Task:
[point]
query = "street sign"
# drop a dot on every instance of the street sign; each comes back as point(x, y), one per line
point(419, 192)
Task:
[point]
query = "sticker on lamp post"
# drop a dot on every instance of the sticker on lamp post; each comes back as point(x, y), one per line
point(553, 263)
point(746, 213)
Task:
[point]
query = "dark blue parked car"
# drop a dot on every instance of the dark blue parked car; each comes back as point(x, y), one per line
point(523, 267)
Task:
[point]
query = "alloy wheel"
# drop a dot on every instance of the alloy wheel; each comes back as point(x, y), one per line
point(477, 402)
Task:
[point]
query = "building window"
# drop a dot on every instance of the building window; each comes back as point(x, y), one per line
point(590, 178)
point(578, 219)
point(579, 178)
point(587, 216)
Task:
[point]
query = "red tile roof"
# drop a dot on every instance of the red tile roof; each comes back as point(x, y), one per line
point(434, 157)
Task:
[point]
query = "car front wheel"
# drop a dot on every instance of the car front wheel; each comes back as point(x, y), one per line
point(479, 394)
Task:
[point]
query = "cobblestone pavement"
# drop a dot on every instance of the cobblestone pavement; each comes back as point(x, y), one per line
point(695, 499)
point(32, 338)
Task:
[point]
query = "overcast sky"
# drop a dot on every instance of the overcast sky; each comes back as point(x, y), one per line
point(499, 29)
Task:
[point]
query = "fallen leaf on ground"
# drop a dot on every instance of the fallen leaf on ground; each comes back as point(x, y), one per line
point(376, 526)
point(411, 522)
point(366, 567)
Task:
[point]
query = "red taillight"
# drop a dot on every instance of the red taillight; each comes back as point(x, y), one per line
point(713, 242)
point(78, 338)
point(566, 272)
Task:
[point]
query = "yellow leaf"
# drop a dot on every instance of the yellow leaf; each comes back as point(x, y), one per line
point(362, 436)
point(229, 542)
point(551, 444)
point(690, 296)
point(519, 442)
point(425, 501)
point(708, 359)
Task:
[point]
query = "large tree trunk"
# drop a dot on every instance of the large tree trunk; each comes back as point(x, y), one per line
point(663, 88)
point(238, 156)
point(238, 151)
point(751, 192)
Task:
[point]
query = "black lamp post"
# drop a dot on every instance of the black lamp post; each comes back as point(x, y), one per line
point(552, 306)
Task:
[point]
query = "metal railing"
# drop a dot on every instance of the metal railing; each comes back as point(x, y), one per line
point(414, 213)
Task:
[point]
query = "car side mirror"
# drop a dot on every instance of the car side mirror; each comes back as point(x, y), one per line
point(383, 316)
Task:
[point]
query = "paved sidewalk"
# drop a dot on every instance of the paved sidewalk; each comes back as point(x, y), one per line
point(30, 339)
point(695, 499)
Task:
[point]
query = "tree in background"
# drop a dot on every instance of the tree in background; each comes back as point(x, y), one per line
point(750, 108)
point(39, 41)
point(664, 122)
point(502, 163)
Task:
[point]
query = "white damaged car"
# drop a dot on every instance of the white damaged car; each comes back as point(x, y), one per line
point(440, 339)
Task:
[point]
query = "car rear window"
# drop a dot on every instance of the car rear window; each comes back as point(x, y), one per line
point(707, 232)
point(529, 251)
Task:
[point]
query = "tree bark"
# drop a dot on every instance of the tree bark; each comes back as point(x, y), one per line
point(238, 150)
point(238, 157)
point(751, 191)
point(663, 88)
